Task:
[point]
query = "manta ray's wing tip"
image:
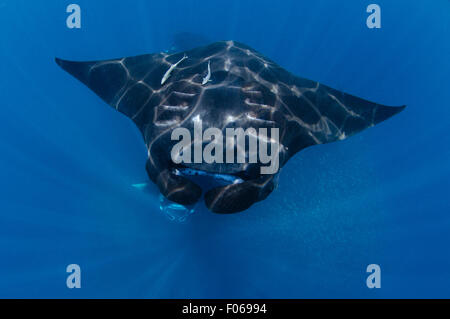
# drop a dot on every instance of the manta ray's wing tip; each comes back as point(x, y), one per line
point(396, 109)
point(79, 70)
point(385, 112)
point(62, 63)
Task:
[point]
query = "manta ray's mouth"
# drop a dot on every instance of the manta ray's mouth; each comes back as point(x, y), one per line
point(207, 180)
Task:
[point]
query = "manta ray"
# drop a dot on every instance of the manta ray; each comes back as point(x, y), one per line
point(225, 84)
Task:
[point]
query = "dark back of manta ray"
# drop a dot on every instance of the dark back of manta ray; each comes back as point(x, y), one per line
point(308, 112)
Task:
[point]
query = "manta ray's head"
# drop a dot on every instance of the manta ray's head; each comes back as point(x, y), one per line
point(186, 100)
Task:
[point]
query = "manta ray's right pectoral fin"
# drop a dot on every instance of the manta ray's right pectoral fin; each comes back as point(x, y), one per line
point(174, 187)
point(126, 84)
point(235, 198)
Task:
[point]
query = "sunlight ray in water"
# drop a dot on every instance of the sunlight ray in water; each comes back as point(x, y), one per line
point(73, 183)
point(175, 212)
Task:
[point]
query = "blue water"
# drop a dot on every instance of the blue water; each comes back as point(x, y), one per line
point(68, 161)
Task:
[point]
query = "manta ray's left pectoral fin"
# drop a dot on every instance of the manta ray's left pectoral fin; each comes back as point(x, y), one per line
point(236, 198)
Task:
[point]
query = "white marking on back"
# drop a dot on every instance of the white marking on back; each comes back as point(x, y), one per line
point(175, 107)
point(227, 64)
point(166, 123)
point(248, 102)
point(253, 118)
point(183, 94)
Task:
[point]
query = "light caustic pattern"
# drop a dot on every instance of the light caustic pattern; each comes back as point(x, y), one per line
point(323, 114)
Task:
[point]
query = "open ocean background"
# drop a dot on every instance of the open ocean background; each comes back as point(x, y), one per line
point(68, 160)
